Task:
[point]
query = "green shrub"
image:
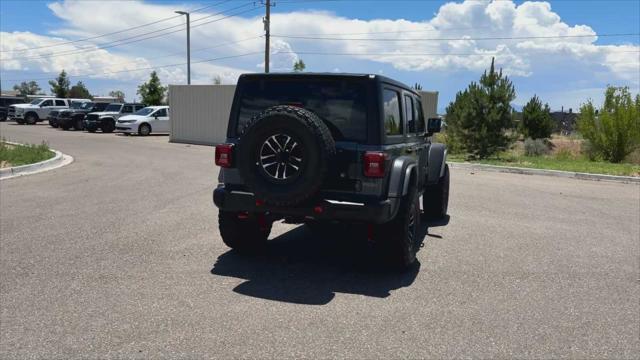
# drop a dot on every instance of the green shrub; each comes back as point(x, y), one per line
point(17, 155)
point(536, 147)
point(564, 154)
point(613, 131)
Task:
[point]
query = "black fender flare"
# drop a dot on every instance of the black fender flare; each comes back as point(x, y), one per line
point(436, 162)
point(400, 179)
point(400, 176)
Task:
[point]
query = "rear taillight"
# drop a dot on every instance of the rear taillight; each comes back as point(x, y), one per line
point(374, 164)
point(224, 155)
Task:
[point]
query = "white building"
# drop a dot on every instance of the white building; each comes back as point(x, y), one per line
point(199, 113)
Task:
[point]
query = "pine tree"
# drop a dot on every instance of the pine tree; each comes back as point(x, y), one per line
point(480, 117)
point(536, 120)
point(60, 86)
point(152, 92)
point(299, 66)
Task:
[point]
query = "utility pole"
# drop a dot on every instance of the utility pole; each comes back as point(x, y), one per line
point(267, 31)
point(188, 45)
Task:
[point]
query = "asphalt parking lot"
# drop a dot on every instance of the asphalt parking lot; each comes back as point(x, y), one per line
point(118, 255)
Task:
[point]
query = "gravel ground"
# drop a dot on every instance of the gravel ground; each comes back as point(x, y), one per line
point(118, 256)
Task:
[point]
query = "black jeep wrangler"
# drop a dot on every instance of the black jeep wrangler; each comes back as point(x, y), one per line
point(326, 148)
point(74, 116)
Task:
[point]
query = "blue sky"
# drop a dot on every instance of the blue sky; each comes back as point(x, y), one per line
point(563, 73)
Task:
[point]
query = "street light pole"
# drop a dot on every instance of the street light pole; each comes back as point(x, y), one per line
point(267, 32)
point(188, 45)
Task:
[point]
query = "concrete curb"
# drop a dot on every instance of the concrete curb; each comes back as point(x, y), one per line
point(59, 160)
point(544, 172)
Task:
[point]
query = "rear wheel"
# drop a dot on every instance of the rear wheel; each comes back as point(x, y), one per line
point(397, 240)
point(435, 200)
point(78, 125)
point(243, 231)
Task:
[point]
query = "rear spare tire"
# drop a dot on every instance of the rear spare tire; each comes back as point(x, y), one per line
point(284, 155)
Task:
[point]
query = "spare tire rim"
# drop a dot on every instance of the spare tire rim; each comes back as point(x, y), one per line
point(281, 157)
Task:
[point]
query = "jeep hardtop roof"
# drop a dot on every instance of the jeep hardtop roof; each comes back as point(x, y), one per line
point(329, 75)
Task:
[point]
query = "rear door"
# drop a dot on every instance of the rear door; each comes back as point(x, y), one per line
point(160, 121)
point(417, 137)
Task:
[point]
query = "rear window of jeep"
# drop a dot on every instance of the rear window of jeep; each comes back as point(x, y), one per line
point(340, 104)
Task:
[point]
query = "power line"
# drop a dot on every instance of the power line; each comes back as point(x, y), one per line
point(452, 39)
point(176, 53)
point(112, 33)
point(124, 41)
point(146, 68)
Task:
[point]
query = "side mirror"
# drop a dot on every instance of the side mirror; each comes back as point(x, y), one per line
point(434, 125)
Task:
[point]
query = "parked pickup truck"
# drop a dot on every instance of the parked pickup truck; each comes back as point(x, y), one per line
point(322, 149)
point(38, 109)
point(106, 120)
point(5, 102)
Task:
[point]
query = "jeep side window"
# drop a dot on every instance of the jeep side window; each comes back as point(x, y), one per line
point(391, 105)
point(419, 116)
point(60, 103)
point(409, 114)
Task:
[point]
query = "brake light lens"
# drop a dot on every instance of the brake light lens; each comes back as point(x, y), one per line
point(374, 164)
point(224, 155)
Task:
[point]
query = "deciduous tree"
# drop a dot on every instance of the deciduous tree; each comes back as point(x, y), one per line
point(79, 91)
point(152, 92)
point(613, 132)
point(27, 88)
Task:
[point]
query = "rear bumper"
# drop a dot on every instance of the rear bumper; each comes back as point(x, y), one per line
point(372, 212)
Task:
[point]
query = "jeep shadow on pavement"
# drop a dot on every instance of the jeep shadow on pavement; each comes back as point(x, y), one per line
point(326, 150)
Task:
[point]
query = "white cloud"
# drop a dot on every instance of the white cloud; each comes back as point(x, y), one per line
point(569, 58)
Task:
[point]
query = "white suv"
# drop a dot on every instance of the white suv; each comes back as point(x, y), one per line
point(38, 109)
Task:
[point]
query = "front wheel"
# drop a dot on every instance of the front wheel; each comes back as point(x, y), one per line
point(20, 121)
point(435, 200)
point(144, 130)
point(243, 231)
point(31, 119)
point(108, 126)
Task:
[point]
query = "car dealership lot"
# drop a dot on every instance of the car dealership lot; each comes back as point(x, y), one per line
point(118, 255)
